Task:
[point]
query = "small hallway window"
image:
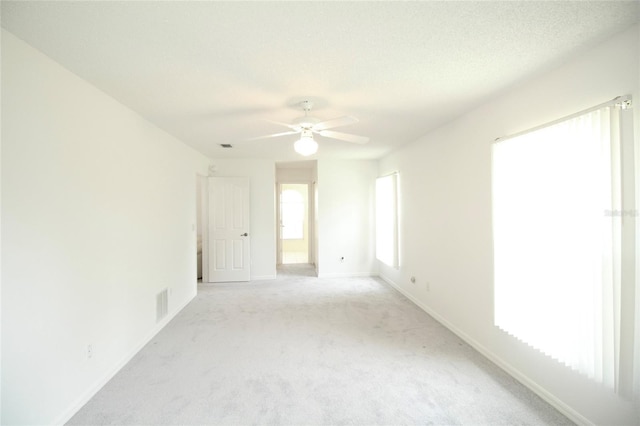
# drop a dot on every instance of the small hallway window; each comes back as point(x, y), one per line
point(387, 219)
point(292, 205)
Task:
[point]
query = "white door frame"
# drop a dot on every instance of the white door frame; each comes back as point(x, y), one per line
point(278, 226)
point(204, 224)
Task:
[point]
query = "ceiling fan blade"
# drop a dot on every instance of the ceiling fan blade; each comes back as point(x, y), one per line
point(335, 122)
point(344, 136)
point(275, 135)
point(291, 126)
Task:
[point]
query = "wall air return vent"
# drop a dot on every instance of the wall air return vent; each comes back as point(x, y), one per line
point(162, 304)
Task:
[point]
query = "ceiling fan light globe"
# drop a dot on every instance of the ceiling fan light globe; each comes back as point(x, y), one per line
point(305, 146)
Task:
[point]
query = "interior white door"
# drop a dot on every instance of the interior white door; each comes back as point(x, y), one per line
point(229, 240)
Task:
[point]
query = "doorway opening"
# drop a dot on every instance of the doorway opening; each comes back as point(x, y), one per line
point(294, 223)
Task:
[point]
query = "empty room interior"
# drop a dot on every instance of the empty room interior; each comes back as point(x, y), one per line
point(320, 212)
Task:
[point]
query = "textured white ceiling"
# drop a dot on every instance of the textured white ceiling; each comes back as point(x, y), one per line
point(211, 72)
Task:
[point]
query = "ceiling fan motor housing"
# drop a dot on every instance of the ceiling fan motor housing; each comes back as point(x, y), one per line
point(306, 122)
point(306, 133)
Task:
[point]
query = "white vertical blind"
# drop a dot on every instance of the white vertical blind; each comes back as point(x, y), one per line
point(387, 220)
point(556, 250)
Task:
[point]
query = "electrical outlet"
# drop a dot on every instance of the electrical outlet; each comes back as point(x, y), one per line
point(89, 351)
point(342, 259)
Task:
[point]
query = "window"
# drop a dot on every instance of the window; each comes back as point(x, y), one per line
point(387, 220)
point(558, 251)
point(292, 211)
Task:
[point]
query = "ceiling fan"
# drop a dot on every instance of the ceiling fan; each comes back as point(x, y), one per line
point(306, 126)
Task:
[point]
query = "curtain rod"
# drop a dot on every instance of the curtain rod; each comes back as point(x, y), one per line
point(623, 102)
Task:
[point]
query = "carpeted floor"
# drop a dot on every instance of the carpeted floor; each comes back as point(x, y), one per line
point(306, 351)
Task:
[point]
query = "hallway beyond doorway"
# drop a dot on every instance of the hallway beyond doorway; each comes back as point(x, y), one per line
point(294, 223)
point(296, 270)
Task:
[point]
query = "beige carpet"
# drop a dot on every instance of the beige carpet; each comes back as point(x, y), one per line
point(306, 351)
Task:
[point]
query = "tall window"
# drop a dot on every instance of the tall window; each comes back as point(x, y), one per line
point(387, 219)
point(557, 241)
point(292, 215)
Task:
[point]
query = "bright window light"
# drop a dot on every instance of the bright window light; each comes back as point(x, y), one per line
point(557, 252)
point(387, 220)
point(292, 215)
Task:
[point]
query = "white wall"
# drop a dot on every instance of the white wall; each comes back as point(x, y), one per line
point(345, 218)
point(262, 176)
point(290, 175)
point(445, 217)
point(98, 215)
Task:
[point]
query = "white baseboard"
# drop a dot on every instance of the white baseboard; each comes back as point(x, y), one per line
point(93, 390)
point(558, 404)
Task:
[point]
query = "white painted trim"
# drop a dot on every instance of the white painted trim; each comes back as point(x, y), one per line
point(204, 222)
point(95, 388)
point(572, 414)
point(278, 224)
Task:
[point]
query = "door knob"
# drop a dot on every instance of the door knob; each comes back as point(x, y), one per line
point(244, 235)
